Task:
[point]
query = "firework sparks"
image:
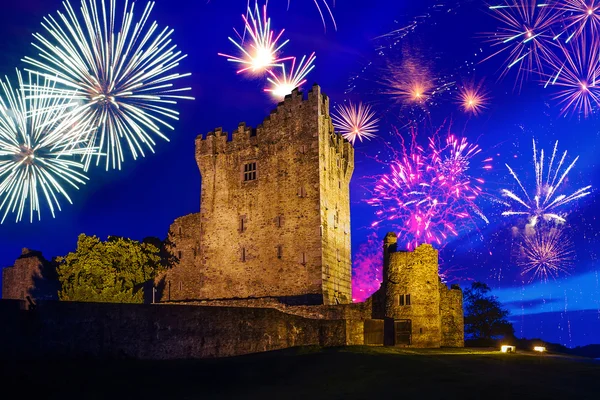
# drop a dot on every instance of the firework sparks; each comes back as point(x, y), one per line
point(35, 152)
point(577, 16)
point(367, 269)
point(546, 200)
point(120, 73)
point(259, 53)
point(429, 193)
point(577, 72)
point(525, 35)
point(355, 121)
point(545, 253)
point(284, 83)
point(473, 99)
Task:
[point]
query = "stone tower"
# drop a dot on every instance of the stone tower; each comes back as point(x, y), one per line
point(418, 309)
point(274, 216)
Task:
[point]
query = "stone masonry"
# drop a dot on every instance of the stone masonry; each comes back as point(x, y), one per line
point(31, 276)
point(274, 216)
point(418, 309)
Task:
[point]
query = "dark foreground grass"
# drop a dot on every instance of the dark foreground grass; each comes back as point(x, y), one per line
point(312, 373)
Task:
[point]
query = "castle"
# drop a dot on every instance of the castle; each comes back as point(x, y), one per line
point(266, 263)
point(274, 217)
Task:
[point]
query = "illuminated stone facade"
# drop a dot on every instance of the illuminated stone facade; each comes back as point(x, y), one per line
point(31, 276)
point(419, 310)
point(274, 217)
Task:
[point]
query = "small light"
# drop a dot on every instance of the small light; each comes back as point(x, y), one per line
point(541, 349)
point(507, 349)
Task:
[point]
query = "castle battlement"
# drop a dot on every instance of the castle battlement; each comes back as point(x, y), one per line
point(293, 117)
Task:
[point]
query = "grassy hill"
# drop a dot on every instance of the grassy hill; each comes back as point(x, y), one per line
point(313, 373)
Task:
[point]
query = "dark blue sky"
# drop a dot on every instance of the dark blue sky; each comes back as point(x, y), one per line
point(148, 194)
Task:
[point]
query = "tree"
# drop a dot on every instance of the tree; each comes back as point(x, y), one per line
point(112, 271)
point(485, 318)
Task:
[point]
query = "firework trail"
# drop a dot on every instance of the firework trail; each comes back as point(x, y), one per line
point(355, 121)
point(118, 69)
point(577, 15)
point(429, 193)
point(259, 52)
point(577, 70)
point(546, 199)
point(545, 253)
point(36, 149)
point(285, 82)
point(524, 37)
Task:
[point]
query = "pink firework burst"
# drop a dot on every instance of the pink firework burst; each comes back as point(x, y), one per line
point(524, 35)
point(578, 16)
point(367, 269)
point(429, 193)
point(577, 73)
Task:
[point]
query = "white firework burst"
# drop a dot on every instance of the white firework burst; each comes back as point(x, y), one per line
point(36, 148)
point(120, 71)
point(355, 121)
point(546, 199)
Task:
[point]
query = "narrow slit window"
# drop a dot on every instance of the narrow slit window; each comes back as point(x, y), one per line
point(301, 191)
point(408, 299)
point(243, 255)
point(303, 262)
point(242, 223)
point(279, 221)
point(279, 251)
point(179, 254)
point(401, 299)
point(180, 230)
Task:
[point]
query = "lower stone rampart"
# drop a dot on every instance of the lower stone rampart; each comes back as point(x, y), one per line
point(101, 330)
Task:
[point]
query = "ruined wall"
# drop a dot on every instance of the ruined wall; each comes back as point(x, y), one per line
point(413, 274)
point(69, 329)
point(452, 316)
point(285, 233)
point(32, 275)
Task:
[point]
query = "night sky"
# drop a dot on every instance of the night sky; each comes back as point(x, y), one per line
point(449, 38)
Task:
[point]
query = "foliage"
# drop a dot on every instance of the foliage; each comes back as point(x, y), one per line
point(111, 271)
point(485, 318)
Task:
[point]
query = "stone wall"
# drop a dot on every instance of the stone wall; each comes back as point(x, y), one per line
point(285, 233)
point(452, 314)
point(32, 275)
point(69, 329)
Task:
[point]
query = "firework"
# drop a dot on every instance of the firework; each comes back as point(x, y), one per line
point(524, 36)
point(36, 153)
point(577, 16)
point(473, 99)
point(546, 200)
point(577, 72)
point(410, 83)
point(545, 253)
point(119, 70)
point(328, 8)
point(429, 193)
point(367, 269)
point(355, 122)
point(259, 51)
point(284, 83)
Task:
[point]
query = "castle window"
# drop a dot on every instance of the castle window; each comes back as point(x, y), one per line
point(279, 221)
point(340, 184)
point(320, 230)
point(243, 255)
point(279, 251)
point(327, 270)
point(303, 149)
point(194, 252)
point(408, 299)
point(179, 254)
point(180, 230)
point(420, 330)
point(301, 191)
point(400, 299)
point(242, 223)
point(180, 285)
point(303, 259)
point(250, 171)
